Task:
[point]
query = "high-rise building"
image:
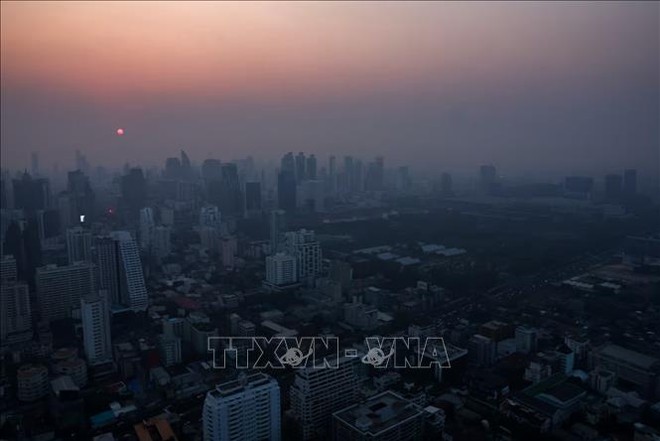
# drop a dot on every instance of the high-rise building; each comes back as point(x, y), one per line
point(383, 417)
point(228, 250)
point(133, 192)
point(277, 228)
point(578, 186)
point(286, 191)
point(31, 194)
point(162, 243)
point(342, 272)
point(487, 178)
point(170, 350)
point(252, 197)
point(120, 270)
point(15, 312)
point(78, 245)
point(613, 187)
point(302, 244)
point(288, 163)
point(186, 166)
point(301, 173)
point(23, 242)
point(314, 195)
point(230, 191)
point(482, 350)
point(147, 225)
point(376, 174)
point(311, 167)
point(211, 169)
point(281, 269)
point(209, 216)
point(81, 194)
point(8, 269)
point(630, 182)
point(172, 168)
point(60, 288)
point(317, 392)
point(95, 313)
point(526, 339)
point(32, 382)
point(246, 409)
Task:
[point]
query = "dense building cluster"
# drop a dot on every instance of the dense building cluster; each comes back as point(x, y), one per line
point(121, 290)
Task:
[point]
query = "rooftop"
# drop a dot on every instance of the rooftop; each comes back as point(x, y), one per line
point(379, 413)
point(635, 358)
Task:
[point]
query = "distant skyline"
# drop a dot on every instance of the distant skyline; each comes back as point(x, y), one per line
point(558, 86)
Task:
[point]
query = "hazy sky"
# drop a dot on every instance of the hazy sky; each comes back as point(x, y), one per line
point(552, 86)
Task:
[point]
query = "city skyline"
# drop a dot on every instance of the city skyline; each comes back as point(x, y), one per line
point(567, 87)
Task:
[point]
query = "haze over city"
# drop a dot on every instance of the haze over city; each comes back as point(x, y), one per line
point(563, 87)
point(330, 221)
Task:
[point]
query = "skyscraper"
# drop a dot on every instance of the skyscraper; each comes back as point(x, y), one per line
point(630, 182)
point(301, 174)
point(286, 191)
point(120, 270)
point(311, 167)
point(78, 245)
point(252, 197)
point(133, 192)
point(81, 195)
point(281, 270)
point(318, 392)
point(246, 409)
point(162, 244)
point(302, 244)
point(230, 191)
point(60, 288)
point(209, 216)
point(15, 312)
point(95, 313)
point(211, 169)
point(147, 225)
point(277, 227)
point(31, 194)
point(172, 168)
point(288, 163)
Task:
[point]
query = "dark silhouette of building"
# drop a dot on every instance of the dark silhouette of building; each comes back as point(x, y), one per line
point(230, 202)
point(31, 194)
point(376, 174)
point(300, 167)
point(252, 196)
point(81, 195)
point(311, 167)
point(286, 191)
point(211, 169)
point(613, 187)
point(630, 182)
point(22, 242)
point(172, 168)
point(578, 186)
point(133, 192)
point(288, 163)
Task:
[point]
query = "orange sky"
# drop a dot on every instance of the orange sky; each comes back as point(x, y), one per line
point(373, 74)
point(119, 49)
